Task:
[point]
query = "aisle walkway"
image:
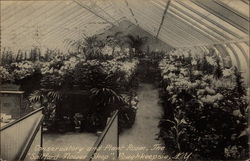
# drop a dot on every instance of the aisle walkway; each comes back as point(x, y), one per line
point(144, 131)
point(136, 142)
point(68, 146)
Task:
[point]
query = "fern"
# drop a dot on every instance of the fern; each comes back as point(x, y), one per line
point(36, 96)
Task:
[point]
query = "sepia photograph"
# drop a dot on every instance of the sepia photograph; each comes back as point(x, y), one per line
point(124, 80)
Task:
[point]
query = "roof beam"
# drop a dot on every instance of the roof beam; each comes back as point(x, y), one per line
point(241, 24)
point(93, 12)
point(106, 13)
point(196, 25)
point(218, 43)
point(59, 19)
point(132, 12)
point(245, 1)
point(231, 9)
point(163, 18)
point(210, 23)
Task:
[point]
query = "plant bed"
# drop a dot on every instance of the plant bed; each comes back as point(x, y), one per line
point(197, 92)
point(102, 68)
point(127, 112)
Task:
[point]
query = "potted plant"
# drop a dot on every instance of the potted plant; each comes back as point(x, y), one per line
point(78, 117)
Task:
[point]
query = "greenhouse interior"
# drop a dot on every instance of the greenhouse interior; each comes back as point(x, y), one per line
point(138, 80)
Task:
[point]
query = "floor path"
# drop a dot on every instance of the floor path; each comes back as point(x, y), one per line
point(144, 132)
point(137, 141)
point(68, 146)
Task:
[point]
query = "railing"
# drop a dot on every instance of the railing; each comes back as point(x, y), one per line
point(109, 137)
point(18, 136)
point(34, 139)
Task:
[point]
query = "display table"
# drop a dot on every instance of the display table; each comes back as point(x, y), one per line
point(11, 106)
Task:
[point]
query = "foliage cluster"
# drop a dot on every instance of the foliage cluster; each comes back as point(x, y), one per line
point(205, 105)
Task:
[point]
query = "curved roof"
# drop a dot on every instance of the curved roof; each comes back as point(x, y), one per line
point(222, 24)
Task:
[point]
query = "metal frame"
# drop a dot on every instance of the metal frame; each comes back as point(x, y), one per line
point(87, 8)
point(163, 18)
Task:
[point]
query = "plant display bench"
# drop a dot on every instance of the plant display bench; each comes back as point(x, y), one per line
point(21, 131)
point(10, 105)
point(72, 112)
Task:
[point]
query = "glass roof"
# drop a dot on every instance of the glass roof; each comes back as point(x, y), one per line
point(179, 23)
point(223, 24)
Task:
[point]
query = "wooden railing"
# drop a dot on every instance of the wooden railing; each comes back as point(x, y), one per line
point(109, 137)
point(18, 136)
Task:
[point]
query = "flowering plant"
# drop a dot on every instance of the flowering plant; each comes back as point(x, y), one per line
point(17, 71)
point(113, 53)
point(200, 90)
point(107, 50)
point(22, 69)
point(5, 75)
point(102, 69)
point(57, 71)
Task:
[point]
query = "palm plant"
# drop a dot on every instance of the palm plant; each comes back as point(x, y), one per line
point(135, 42)
point(105, 94)
point(106, 89)
point(44, 96)
point(89, 46)
point(47, 99)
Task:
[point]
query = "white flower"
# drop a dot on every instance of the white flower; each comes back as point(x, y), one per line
point(211, 61)
point(184, 71)
point(227, 72)
point(107, 50)
point(23, 69)
point(212, 98)
point(208, 99)
point(195, 84)
point(219, 96)
point(171, 58)
point(165, 77)
point(169, 88)
point(117, 49)
point(5, 75)
point(210, 90)
point(194, 62)
point(200, 92)
point(237, 113)
point(126, 50)
point(196, 72)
